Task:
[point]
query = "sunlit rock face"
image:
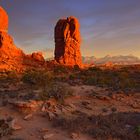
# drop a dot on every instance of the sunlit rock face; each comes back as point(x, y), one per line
point(3, 20)
point(8, 51)
point(67, 42)
point(11, 57)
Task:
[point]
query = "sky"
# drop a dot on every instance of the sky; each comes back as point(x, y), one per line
point(108, 27)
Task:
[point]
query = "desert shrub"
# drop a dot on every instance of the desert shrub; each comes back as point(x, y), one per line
point(118, 79)
point(72, 76)
point(40, 78)
point(91, 80)
point(4, 128)
point(57, 91)
point(137, 129)
point(12, 76)
point(94, 69)
point(101, 126)
point(76, 68)
point(60, 69)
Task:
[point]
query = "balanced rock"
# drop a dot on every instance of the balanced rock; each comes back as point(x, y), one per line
point(67, 42)
point(3, 20)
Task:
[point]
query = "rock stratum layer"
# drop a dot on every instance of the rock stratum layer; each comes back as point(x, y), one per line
point(67, 42)
point(11, 57)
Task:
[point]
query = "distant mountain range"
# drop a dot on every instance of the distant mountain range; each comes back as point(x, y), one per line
point(120, 59)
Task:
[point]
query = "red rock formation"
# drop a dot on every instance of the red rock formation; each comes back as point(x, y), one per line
point(67, 42)
point(38, 56)
point(9, 53)
point(3, 20)
point(11, 57)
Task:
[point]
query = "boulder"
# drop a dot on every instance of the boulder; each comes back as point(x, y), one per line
point(38, 56)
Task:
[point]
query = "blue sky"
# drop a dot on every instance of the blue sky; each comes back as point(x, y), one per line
point(107, 26)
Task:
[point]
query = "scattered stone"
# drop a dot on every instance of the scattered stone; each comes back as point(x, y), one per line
point(29, 105)
point(88, 107)
point(128, 126)
point(51, 115)
point(85, 103)
point(28, 117)
point(47, 136)
point(75, 136)
point(105, 110)
point(113, 109)
point(113, 96)
point(14, 125)
point(44, 130)
point(105, 98)
point(135, 105)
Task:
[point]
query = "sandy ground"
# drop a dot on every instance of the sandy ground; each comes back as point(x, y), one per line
point(90, 100)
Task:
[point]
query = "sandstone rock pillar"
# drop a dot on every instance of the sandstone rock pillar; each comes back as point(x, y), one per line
point(67, 42)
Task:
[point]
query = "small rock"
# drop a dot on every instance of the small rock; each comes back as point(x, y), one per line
point(105, 110)
point(47, 136)
point(14, 125)
point(51, 115)
point(105, 98)
point(74, 136)
point(128, 126)
point(113, 109)
point(135, 105)
point(88, 107)
point(85, 103)
point(44, 130)
point(113, 96)
point(28, 117)
point(31, 105)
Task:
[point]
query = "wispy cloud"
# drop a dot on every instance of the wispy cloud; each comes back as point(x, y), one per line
point(107, 27)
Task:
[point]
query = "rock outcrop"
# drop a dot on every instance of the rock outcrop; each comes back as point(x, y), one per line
point(3, 20)
point(11, 57)
point(67, 42)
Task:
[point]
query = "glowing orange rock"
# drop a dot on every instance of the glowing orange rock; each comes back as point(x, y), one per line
point(11, 57)
point(3, 20)
point(67, 42)
point(7, 47)
point(38, 56)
